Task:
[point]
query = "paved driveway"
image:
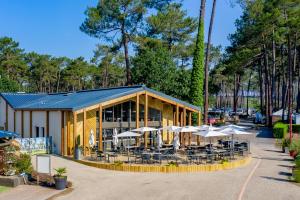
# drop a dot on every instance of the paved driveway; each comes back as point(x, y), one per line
point(269, 169)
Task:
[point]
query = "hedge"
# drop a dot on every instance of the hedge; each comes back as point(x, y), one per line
point(280, 130)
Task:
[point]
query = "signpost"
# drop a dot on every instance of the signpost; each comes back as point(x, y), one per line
point(43, 165)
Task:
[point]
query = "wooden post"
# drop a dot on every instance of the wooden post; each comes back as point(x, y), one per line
point(100, 145)
point(146, 120)
point(84, 132)
point(47, 124)
point(22, 123)
point(184, 124)
point(6, 116)
point(190, 123)
point(199, 123)
point(14, 121)
point(177, 116)
point(137, 115)
point(30, 125)
point(62, 145)
point(74, 130)
point(68, 133)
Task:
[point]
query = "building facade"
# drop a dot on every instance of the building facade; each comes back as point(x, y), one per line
point(70, 118)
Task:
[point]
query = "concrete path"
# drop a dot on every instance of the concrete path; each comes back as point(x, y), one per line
point(266, 177)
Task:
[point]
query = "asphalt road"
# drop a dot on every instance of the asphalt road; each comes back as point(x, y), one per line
point(266, 177)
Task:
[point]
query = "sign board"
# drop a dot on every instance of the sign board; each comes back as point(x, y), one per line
point(43, 164)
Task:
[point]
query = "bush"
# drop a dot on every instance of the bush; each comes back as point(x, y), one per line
point(23, 164)
point(280, 130)
point(297, 161)
point(296, 175)
point(296, 128)
point(295, 146)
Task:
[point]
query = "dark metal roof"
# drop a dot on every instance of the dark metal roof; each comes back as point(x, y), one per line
point(76, 100)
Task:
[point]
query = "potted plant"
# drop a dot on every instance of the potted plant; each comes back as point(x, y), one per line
point(78, 149)
point(60, 179)
point(285, 142)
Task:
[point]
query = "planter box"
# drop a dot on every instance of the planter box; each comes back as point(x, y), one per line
point(11, 181)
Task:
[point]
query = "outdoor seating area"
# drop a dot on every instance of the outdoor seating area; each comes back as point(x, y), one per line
point(218, 145)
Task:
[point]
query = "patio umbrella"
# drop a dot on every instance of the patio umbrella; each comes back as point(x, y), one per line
point(188, 129)
point(210, 133)
point(92, 138)
point(170, 128)
point(115, 138)
point(159, 139)
point(235, 127)
point(176, 143)
point(206, 127)
point(145, 129)
point(128, 134)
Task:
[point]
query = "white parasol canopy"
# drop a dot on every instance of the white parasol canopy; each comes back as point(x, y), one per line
point(176, 143)
point(235, 127)
point(159, 139)
point(206, 127)
point(170, 128)
point(234, 131)
point(115, 137)
point(188, 129)
point(92, 138)
point(144, 129)
point(210, 132)
point(128, 134)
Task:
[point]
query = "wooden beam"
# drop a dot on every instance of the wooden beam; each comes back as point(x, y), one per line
point(62, 143)
point(190, 123)
point(177, 116)
point(22, 123)
point(84, 132)
point(6, 116)
point(47, 123)
point(100, 144)
point(199, 124)
point(74, 130)
point(137, 115)
point(184, 124)
point(30, 123)
point(146, 120)
point(14, 121)
point(68, 133)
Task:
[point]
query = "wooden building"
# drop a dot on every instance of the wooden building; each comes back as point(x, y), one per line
point(68, 116)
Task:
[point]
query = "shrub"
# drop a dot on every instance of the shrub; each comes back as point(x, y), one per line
point(60, 171)
point(295, 146)
point(296, 175)
point(297, 161)
point(23, 164)
point(296, 128)
point(280, 130)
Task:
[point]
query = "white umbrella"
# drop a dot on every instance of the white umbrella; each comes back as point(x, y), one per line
point(144, 129)
point(115, 138)
point(128, 134)
point(159, 139)
point(206, 127)
point(92, 138)
point(235, 127)
point(210, 133)
point(170, 128)
point(176, 143)
point(188, 129)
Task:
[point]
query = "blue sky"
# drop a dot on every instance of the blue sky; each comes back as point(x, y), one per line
point(52, 26)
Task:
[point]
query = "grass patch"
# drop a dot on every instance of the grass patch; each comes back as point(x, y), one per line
point(3, 188)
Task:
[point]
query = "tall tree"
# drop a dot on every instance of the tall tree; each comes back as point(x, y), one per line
point(118, 22)
point(207, 59)
point(197, 78)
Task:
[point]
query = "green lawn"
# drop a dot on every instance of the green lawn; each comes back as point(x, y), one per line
point(3, 189)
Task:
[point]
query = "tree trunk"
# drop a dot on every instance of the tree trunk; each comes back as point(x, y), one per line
point(273, 78)
point(289, 78)
point(207, 62)
point(261, 82)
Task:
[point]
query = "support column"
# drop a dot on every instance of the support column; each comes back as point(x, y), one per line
point(6, 116)
point(146, 120)
point(199, 123)
point(74, 130)
point(30, 124)
point(22, 123)
point(68, 133)
point(14, 121)
point(47, 124)
point(184, 124)
point(190, 123)
point(137, 115)
point(62, 141)
point(177, 116)
point(84, 132)
point(100, 144)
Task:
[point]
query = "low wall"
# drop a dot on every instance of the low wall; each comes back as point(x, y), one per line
point(168, 169)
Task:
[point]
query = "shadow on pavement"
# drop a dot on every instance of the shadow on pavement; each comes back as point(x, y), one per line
point(276, 179)
point(276, 151)
point(288, 166)
point(270, 158)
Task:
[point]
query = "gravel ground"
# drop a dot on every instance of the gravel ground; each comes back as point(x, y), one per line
point(269, 181)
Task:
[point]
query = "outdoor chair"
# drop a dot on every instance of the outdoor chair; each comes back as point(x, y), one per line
point(157, 157)
point(146, 157)
point(100, 155)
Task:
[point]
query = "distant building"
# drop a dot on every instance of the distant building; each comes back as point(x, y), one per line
point(67, 116)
